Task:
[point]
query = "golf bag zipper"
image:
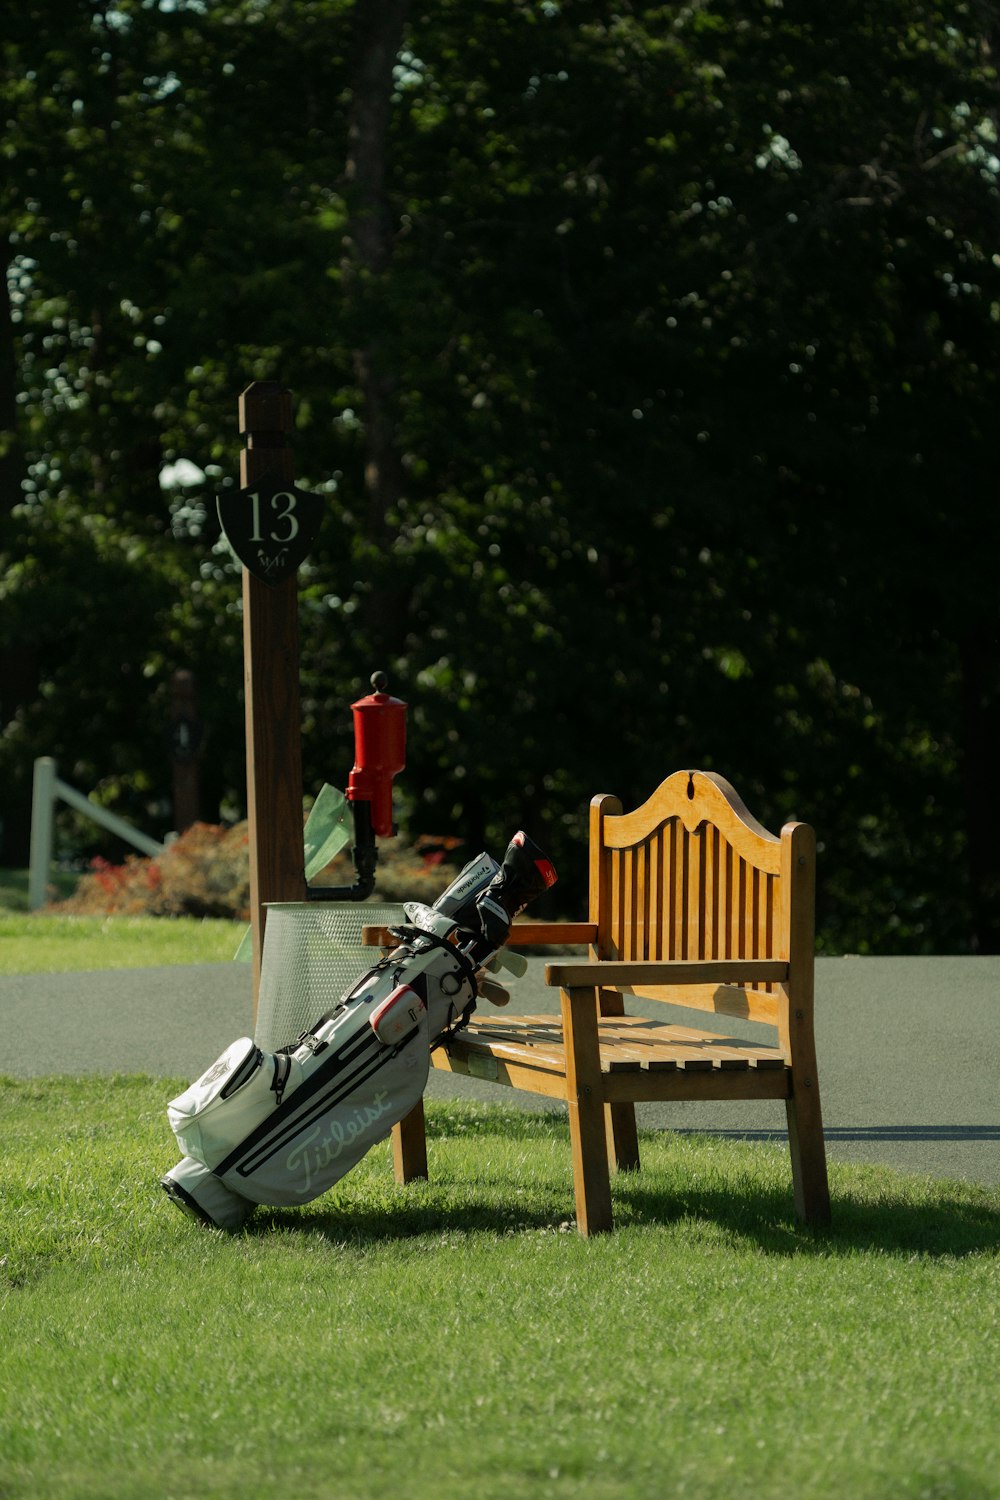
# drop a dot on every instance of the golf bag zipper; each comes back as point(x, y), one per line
point(282, 1068)
point(242, 1073)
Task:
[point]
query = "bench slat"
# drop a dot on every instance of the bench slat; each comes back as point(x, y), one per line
point(627, 1043)
point(665, 1037)
point(735, 1055)
point(720, 999)
point(541, 1049)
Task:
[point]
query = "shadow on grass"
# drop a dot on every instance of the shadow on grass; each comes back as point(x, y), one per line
point(448, 1120)
point(951, 1223)
point(356, 1225)
point(874, 1208)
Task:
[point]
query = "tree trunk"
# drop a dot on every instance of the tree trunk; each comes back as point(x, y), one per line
point(367, 256)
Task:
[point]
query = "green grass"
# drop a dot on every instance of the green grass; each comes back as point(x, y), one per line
point(454, 1339)
point(43, 944)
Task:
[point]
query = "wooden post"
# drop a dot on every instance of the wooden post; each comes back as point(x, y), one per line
point(186, 742)
point(271, 683)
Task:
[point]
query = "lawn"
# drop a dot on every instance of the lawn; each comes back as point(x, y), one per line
point(41, 944)
point(45, 943)
point(456, 1338)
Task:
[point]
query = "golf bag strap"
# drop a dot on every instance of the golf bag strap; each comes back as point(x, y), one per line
point(466, 967)
point(444, 1037)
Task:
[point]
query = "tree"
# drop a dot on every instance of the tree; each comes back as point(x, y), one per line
point(648, 359)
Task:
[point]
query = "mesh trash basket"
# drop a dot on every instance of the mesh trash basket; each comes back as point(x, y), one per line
point(312, 957)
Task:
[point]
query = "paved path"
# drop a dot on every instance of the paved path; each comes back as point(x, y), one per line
point(909, 1050)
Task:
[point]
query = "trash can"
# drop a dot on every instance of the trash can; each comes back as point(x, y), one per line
point(313, 955)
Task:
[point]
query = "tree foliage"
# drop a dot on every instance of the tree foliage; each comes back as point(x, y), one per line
point(648, 355)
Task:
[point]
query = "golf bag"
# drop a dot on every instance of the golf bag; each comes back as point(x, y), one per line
point(280, 1128)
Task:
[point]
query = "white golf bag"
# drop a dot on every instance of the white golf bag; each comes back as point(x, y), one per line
point(281, 1127)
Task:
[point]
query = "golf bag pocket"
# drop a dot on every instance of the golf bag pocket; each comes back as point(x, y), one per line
point(240, 1089)
point(398, 1016)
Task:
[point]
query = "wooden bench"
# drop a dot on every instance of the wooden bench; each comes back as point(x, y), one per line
point(692, 903)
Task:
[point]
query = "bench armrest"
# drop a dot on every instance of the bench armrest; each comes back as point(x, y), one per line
point(522, 935)
point(616, 975)
point(377, 937)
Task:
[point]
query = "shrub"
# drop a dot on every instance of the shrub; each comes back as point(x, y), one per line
point(206, 873)
point(406, 872)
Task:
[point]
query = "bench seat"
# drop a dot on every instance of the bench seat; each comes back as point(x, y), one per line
point(490, 1048)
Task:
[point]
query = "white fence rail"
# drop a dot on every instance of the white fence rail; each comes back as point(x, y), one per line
point(46, 790)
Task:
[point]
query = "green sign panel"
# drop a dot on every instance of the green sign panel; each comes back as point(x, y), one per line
point(271, 527)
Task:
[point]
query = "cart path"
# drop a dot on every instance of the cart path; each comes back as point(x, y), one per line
point(909, 1050)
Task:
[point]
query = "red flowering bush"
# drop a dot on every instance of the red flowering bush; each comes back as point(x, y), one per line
point(206, 873)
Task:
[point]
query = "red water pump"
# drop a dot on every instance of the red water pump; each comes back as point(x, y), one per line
point(379, 753)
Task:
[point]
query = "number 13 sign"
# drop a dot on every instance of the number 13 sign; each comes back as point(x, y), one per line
point(271, 527)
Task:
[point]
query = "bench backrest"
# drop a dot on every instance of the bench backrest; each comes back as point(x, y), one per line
point(691, 874)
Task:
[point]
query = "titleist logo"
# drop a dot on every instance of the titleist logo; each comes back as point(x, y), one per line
point(328, 1140)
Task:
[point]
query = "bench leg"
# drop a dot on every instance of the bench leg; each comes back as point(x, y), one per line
point(584, 1097)
point(808, 1151)
point(623, 1140)
point(409, 1146)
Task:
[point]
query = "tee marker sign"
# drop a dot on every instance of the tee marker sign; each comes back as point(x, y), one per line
point(271, 526)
